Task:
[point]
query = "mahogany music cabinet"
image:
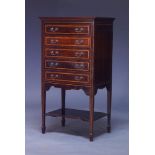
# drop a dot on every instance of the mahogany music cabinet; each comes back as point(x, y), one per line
point(77, 54)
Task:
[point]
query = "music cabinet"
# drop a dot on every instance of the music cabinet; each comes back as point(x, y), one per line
point(77, 54)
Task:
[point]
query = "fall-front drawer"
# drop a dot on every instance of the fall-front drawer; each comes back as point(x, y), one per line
point(67, 29)
point(68, 41)
point(56, 64)
point(67, 53)
point(55, 76)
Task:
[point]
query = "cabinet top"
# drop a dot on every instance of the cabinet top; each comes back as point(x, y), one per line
point(90, 18)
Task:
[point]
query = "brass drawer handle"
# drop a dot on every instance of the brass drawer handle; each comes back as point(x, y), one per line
point(54, 41)
point(78, 78)
point(56, 64)
point(79, 66)
point(53, 64)
point(54, 76)
point(54, 29)
point(54, 53)
point(79, 54)
point(79, 41)
point(79, 29)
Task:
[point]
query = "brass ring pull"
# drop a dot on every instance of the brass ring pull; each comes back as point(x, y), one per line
point(54, 76)
point(54, 41)
point(79, 29)
point(54, 29)
point(79, 41)
point(54, 53)
point(53, 64)
point(79, 54)
point(78, 78)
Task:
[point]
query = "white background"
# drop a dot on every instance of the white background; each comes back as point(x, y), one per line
point(12, 82)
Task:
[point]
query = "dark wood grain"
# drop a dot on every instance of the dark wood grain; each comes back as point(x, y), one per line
point(67, 53)
point(67, 28)
point(77, 54)
point(62, 77)
point(76, 114)
point(67, 41)
point(69, 65)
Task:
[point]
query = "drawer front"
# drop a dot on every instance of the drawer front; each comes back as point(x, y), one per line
point(54, 76)
point(67, 29)
point(69, 65)
point(66, 53)
point(68, 41)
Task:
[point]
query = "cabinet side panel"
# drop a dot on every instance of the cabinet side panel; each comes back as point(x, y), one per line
point(103, 53)
point(42, 55)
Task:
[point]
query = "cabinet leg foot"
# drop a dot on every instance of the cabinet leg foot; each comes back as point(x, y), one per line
point(108, 129)
point(91, 137)
point(63, 123)
point(63, 93)
point(109, 124)
point(109, 97)
point(43, 130)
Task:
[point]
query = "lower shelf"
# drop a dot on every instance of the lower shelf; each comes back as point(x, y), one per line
point(76, 114)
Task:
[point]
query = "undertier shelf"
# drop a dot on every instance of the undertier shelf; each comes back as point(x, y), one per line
point(76, 114)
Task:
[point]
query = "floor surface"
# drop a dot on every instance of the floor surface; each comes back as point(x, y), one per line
point(73, 138)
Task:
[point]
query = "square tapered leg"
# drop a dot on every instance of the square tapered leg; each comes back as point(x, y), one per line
point(109, 96)
point(63, 106)
point(43, 100)
point(91, 117)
